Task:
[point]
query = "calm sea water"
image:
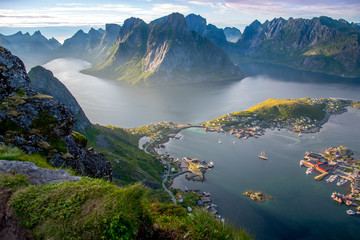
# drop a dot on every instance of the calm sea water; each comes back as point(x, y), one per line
point(302, 208)
point(108, 103)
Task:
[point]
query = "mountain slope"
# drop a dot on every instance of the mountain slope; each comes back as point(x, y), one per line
point(38, 123)
point(319, 44)
point(166, 50)
point(44, 82)
point(209, 31)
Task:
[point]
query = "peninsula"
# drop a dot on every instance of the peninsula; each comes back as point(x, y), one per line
point(305, 115)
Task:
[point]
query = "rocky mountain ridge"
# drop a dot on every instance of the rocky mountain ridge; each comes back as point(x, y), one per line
point(26, 45)
point(38, 123)
point(165, 50)
point(319, 44)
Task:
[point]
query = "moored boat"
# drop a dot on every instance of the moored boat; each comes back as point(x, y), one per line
point(350, 212)
point(262, 156)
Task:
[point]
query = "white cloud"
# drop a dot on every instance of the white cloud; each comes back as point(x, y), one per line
point(81, 14)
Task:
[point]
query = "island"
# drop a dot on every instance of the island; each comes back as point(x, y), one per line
point(257, 196)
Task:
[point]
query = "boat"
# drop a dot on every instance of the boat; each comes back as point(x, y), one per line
point(262, 156)
point(211, 164)
point(301, 163)
point(300, 134)
point(350, 212)
point(233, 142)
point(219, 141)
point(310, 170)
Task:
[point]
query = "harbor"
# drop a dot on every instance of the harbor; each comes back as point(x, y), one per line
point(342, 168)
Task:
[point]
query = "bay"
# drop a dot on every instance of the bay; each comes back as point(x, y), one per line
point(302, 208)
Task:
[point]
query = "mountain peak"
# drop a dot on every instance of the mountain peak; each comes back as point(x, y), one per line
point(37, 33)
point(196, 23)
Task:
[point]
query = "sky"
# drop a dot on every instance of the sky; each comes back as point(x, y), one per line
point(61, 19)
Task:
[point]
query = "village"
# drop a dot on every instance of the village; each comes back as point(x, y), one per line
point(248, 124)
point(338, 163)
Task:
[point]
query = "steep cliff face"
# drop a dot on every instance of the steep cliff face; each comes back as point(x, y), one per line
point(166, 50)
point(38, 123)
point(209, 31)
point(44, 82)
point(318, 44)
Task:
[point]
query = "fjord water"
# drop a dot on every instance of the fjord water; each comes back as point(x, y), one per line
point(302, 208)
point(107, 102)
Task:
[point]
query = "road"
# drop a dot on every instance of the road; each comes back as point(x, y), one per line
point(163, 184)
point(183, 126)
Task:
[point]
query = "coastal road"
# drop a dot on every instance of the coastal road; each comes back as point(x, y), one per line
point(167, 173)
point(163, 184)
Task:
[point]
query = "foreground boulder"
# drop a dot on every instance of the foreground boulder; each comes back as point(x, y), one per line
point(36, 175)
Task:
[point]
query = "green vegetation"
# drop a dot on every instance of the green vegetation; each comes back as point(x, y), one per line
point(96, 209)
point(130, 164)
point(197, 225)
point(46, 123)
point(15, 154)
point(288, 108)
point(276, 109)
point(13, 181)
point(80, 139)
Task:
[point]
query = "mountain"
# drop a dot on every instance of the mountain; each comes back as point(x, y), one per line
point(44, 82)
point(319, 44)
point(81, 44)
point(110, 34)
point(165, 50)
point(232, 34)
point(209, 31)
point(37, 123)
point(26, 46)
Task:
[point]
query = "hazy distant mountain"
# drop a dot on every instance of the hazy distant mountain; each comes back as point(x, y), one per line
point(81, 44)
point(166, 50)
point(232, 34)
point(319, 44)
point(33, 49)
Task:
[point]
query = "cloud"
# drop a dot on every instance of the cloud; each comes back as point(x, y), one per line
point(86, 14)
point(266, 9)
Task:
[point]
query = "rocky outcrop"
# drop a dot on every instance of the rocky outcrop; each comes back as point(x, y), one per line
point(38, 123)
point(166, 50)
point(319, 44)
point(44, 82)
point(36, 175)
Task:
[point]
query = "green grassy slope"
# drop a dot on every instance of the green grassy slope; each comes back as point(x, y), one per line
point(96, 209)
point(130, 164)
